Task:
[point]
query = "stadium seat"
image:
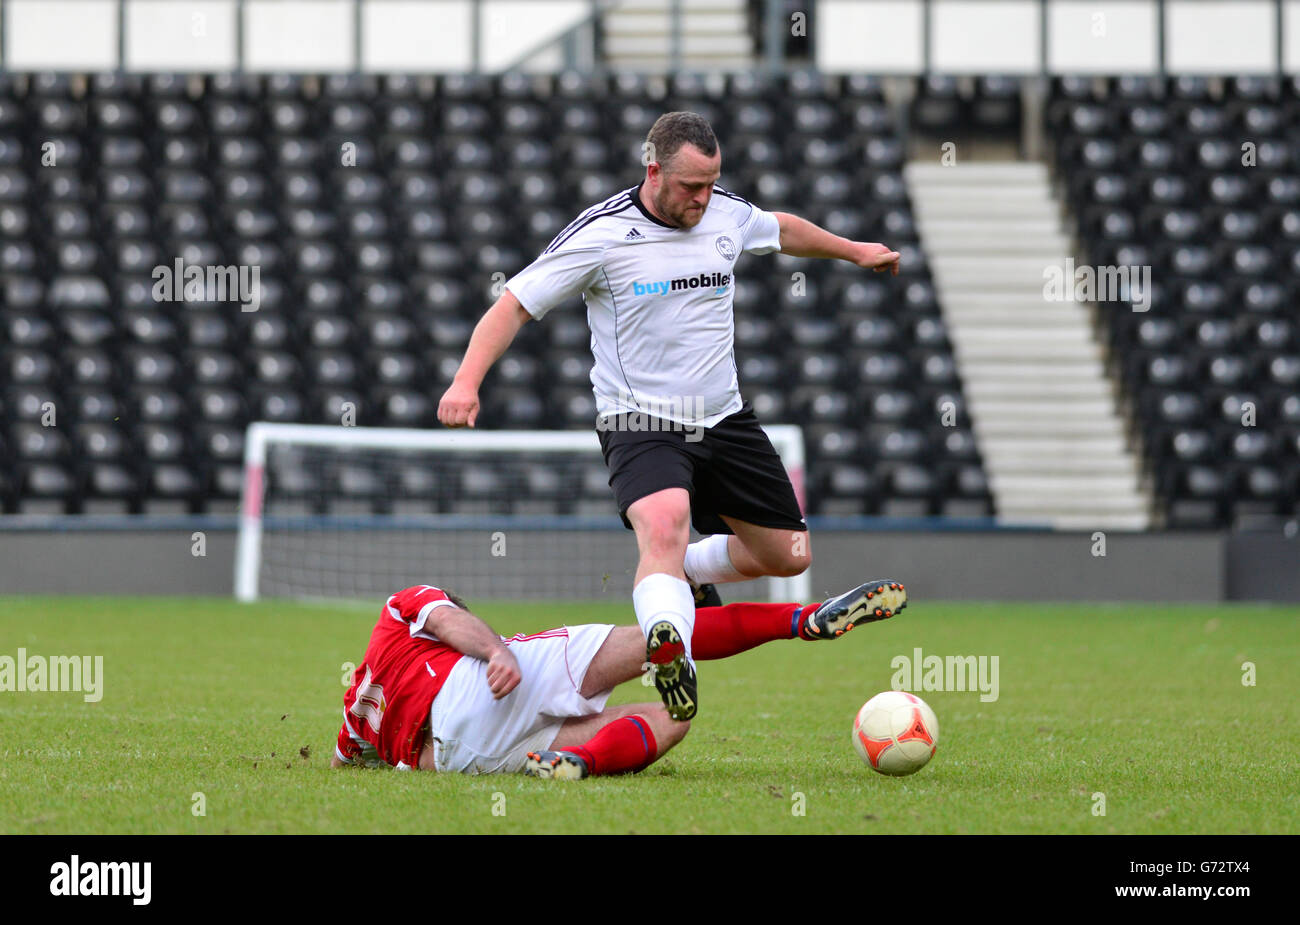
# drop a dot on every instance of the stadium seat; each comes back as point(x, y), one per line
point(1212, 370)
point(374, 274)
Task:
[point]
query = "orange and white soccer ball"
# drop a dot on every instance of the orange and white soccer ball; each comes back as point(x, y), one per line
point(896, 733)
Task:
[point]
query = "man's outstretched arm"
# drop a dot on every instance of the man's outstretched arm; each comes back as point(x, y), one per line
point(801, 238)
point(492, 335)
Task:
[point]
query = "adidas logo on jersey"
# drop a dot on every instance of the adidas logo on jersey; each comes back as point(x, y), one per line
point(634, 235)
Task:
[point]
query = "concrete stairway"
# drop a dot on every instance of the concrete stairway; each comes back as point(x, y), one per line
point(638, 35)
point(1043, 409)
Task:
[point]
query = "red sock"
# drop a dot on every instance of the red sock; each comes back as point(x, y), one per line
point(625, 745)
point(724, 631)
point(801, 618)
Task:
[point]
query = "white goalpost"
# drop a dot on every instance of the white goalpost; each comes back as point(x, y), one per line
point(339, 512)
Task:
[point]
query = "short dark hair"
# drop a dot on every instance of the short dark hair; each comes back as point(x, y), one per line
point(455, 599)
point(674, 129)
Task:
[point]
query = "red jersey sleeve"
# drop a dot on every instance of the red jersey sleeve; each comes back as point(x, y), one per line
point(346, 748)
point(412, 606)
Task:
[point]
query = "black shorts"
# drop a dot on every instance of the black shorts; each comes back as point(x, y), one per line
point(731, 468)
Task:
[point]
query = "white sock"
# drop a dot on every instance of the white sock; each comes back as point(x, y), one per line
point(708, 561)
point(663, 597)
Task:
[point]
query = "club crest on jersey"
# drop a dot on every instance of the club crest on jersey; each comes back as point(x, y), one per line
point(726, 247)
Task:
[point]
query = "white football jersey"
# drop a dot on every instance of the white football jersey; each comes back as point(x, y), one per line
point(659, 302)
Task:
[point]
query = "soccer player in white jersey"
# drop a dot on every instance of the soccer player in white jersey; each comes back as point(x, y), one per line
point(438, 690)
point(655, 265)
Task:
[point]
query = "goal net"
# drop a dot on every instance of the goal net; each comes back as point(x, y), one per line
point(336, 512)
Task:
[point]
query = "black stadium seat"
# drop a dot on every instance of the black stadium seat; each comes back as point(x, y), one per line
point(378, 210)
point(1213, 367)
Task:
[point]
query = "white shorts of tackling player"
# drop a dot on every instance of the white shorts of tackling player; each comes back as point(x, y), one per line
point(474, 734)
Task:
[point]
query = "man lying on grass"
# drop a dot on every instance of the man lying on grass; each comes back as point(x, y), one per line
point(439, 690)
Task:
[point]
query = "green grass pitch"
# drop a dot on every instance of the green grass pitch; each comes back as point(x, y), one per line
point(232, 709)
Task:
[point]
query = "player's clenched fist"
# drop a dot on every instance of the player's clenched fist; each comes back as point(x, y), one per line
point(459, 406)
point(502, 673)
point(878, 257)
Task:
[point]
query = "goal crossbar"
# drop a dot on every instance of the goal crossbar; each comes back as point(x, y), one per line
point(787, 439)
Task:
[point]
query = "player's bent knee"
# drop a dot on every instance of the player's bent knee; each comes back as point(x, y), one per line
point(658, 515)
point(800, 557)
point(667, 731)
point(678, 733)
point(664, 525)
point(661, 541)
point(667, 540)
point(782, 555)
point(788, 566)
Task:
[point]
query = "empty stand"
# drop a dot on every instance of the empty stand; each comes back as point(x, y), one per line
point(377, 210)
point(1198, 179)
point(1044, 409)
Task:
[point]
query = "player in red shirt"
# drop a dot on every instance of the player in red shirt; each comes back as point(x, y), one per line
point(439, 690)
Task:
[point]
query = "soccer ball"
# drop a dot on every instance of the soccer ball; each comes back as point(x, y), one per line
point(896, 733)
